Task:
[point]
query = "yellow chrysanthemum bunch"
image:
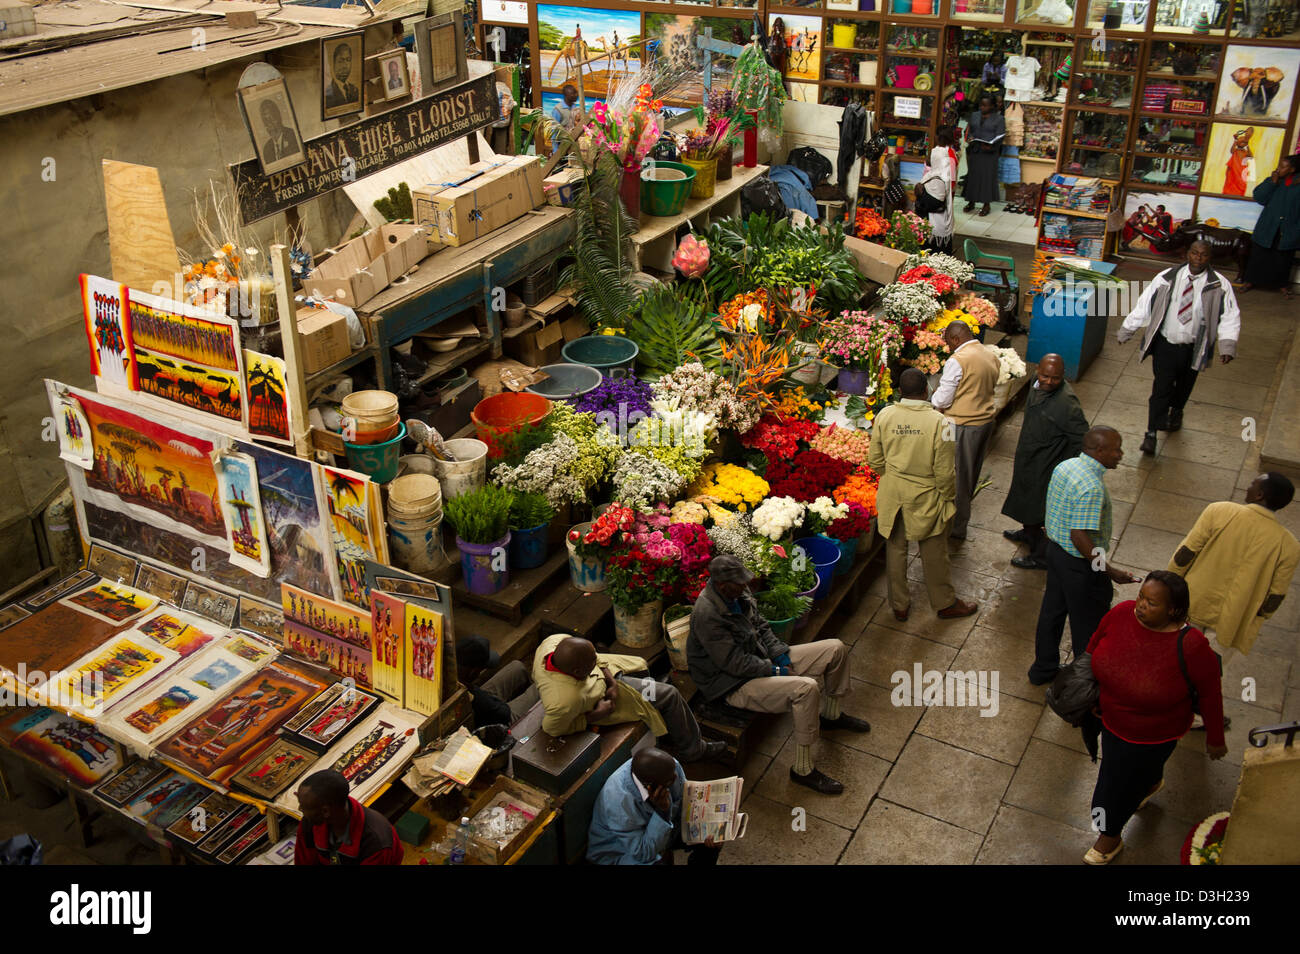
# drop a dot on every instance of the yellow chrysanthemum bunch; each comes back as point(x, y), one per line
point(731, 485)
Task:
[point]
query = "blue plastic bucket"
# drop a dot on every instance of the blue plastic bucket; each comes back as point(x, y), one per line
point(528, 547)
point(823, 554)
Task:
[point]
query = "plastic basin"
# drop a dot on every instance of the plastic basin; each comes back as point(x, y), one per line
point(611, 355)
point(667, 196)
point(566, 381)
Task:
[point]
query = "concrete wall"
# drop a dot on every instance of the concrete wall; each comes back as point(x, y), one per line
point(189, 128)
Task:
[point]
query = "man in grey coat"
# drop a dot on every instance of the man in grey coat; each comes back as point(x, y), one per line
point(735, 656)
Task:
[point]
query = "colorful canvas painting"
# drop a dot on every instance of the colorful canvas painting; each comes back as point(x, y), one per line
point(167, 586)
point(423, 673)
point(153, 714)
point(1240, 157)
point(224, 832)
point(215, 744)
point(337, 655)
point(347, 503)
point(1151, 218)
point(217, 674)
point(1258, 84)
point(370, 755)
point(330, 723)
point(130, 781)
point(568, 36)
point(213, 604)
point(111, 565)
point(114, 603)
point(248, 650)
point(71, 748)
point(268, 398)
point(187, 357)
point(104, 305)
point(51, 593)
point(204, 817)
point(153, 473)
point(672, 38)
point(166, 629)
point(165, 800)
point(803, 43)
point(1228, 213)
point(107, 673)
point(388, 624)
point(241, 508)
point(262, 618)
point(339, 620)
point(274, 770)
point(75, 445)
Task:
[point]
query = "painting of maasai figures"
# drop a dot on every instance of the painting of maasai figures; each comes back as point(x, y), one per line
point(250, 842)
point(369, 755)
point(388, 623)
point(274, 770)
point(153, 473)
point(347, 503)
point(1240, 157)
point(262, 618)
point(241, 508)
point(203, 818)
point(70, 747)
point(1258, 84)
point(121, 664)
point(268, 397)
point(111, 602)
point(130, 781)
point(104, 305)
point(229, 829)
point(328, 724)
point(325, 616)
point(167, 586)
point(245, 719)
point(75, 445)
point(338, 656)
point(423, 691)
point(166, 629)
point(215, 605)
point(152, 714)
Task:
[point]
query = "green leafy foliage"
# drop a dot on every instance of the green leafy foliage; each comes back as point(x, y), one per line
point(480, 516)
point(783, 602)
point(530, 510)
point(397, 206)
point(671, 331)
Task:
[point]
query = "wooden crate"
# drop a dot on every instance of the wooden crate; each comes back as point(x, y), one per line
point(508, 789)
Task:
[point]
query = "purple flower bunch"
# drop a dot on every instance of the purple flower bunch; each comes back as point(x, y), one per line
point(611, 392)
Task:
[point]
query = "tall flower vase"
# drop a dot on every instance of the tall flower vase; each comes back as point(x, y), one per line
point(751, 140)
point(630, 189)
point(853, 381)
point(640, 628)
point(587, 573)
point(724, 164)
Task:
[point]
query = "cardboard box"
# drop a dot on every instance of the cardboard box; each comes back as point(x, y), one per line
point(509, 795)
point(17, 18)
point(422, 199)
point(560, 187)
point(354, 274)
point(534, 343)
point(876, 261)
point(484, 203)
point(322, 338)
point(404, 247)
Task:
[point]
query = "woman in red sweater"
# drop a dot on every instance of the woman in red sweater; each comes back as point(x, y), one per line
point(1146, 702)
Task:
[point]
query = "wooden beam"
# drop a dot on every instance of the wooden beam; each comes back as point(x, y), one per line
point(295, 380)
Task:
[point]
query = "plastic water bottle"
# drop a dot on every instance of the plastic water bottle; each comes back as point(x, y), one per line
point(460, 843)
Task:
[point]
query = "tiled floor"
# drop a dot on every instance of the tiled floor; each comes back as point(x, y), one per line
point(998, 224)
point(948, 786)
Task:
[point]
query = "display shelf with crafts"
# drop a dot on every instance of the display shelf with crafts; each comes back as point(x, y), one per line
point(1075, 215)
point(976, 10)
point(1194, 17)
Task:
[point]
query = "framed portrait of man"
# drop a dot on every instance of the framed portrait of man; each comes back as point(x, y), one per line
point(393, 72)
point(273, 126)
point(341, 59)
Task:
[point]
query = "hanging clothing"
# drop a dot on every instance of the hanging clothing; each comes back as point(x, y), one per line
point(1021, 75)
point(853, 138)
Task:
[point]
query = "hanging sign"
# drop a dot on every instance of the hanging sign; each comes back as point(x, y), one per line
point(367, 147)
point(907, 107)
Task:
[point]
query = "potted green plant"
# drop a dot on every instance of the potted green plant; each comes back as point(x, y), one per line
point(782, 606)
point(530, 519)
point(482, 522)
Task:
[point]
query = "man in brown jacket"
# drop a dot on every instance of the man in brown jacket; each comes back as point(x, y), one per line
point(914, 458)
point(965, 396)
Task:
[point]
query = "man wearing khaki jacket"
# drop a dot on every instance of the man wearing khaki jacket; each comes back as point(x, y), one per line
point(914, 501)
point(965, 396)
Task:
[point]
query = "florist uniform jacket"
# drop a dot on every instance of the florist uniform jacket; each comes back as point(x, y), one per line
point(1052, 432)
point(1242, 556)
point(726, 649)
point(567, 700)
point(920, 482)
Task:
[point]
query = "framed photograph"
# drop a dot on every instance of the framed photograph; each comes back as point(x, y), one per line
point(392, 72)
point(440, 51)
point(340, 63)
point(110, 564)
point(273, 126)
point(214, 605)
point(167, 586)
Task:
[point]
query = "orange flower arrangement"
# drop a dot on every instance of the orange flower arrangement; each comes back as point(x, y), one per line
point(760, 363)
point(731, 313)
point(859, 488)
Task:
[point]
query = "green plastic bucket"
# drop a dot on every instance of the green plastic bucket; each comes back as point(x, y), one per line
point(665, 197)
point(566, 381)
point(377, 461)
point(611, 355)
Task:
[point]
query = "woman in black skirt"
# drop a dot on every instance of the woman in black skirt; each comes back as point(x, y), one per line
point(984, 137)
point(1277, 231)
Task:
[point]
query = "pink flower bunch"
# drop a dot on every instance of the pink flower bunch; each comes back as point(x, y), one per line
point(650, 532)
point(842, 443)
point(981, 309)
point(861, 341)
point(692, 541)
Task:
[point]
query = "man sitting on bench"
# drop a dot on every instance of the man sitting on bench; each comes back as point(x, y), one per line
point(735, 656)
point(580, 687)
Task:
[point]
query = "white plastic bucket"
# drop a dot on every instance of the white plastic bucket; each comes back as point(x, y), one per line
point(468, 472)
point(415, 543)
point(415, 464)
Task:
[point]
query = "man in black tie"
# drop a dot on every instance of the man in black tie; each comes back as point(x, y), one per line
point(341, 92)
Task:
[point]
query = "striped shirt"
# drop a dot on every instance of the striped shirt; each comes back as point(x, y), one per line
point(1077, 499)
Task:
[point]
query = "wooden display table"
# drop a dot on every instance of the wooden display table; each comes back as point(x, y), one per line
point(655, 240)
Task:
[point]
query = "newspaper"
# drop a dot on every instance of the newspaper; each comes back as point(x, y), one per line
point(712, 810)
point(452, 761)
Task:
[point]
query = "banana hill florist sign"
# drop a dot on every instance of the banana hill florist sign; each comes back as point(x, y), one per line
point(367, 147)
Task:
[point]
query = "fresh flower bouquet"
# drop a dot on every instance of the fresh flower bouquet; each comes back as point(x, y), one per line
point(598, 449)
point(940, 322)
point(735, 537)
point(907, 232)
point(758, 363)
point(961, 272)
point(778, 437)
point(628, 135)
point(1010, 365)
point(694, 388)
point(749, 311)
point(618, 397)
point(634, 578)
point(821, 513)
point(693, 545)
point(776, 517)
point(689, 511)
point(731, 485)
point(943, 286)
point(842, 443)
point(912, 304)
point(927, 351)
point(981, 309)
point(548, 470)
point(859, 488)
point(869, 224)
point(850, 526)
point(794, 403)
point(808, 475)
point(861, 341)
point(643, 481)
point(606, 530)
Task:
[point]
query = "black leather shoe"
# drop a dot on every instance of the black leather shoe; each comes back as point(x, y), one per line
point(822, 784)
point(1148, 446)
point(1016, 536)
point(1028, 563)
point(845, 721)
point(1041, 680)
point(709, 750)
point(1175, 420)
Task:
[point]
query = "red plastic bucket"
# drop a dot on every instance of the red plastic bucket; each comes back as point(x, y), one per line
point(505, 413)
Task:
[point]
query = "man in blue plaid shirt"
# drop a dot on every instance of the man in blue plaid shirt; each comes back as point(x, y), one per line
point(1079, 574)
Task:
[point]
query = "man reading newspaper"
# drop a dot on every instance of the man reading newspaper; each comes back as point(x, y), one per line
point(635, 821)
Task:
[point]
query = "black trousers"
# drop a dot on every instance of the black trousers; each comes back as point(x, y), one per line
point(1075, 592)
point(1174, 379)
point(1129, 770)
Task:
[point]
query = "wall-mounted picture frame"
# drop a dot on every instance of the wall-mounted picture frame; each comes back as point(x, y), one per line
point(440, 51)
point(341, 59)
point(393, 72)
point(273, 126)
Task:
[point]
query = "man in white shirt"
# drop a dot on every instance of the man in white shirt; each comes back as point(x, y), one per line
point(1186, 311)
point(965, 396)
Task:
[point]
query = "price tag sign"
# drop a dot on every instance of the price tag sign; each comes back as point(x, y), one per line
point(907, 107)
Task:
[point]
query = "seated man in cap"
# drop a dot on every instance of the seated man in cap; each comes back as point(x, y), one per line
point(735, 656)
point(504, 697)
point(580, 687)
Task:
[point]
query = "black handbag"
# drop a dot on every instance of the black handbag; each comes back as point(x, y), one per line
point(1182, 664)
point(1074, 692)
point(926, 204)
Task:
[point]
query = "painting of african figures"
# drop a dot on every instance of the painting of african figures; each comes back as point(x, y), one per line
point(268, 398)
point(216, 744)
point(347, 501)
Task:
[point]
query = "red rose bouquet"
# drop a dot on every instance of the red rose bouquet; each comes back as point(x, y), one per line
point(779, 437)
point(852, 526)
point(806, 476)
point(606, 530)
point(634, 578)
